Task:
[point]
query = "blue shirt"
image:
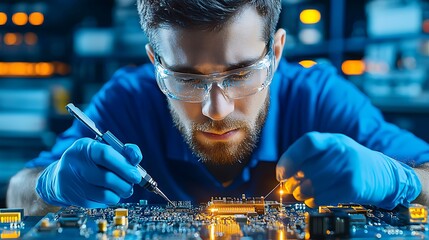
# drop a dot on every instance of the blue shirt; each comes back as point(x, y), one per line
point(133, 108)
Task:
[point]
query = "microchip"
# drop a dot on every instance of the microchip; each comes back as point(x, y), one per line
point(327, 225)
point(70, 222)
point(240, 218)
point(231, 206)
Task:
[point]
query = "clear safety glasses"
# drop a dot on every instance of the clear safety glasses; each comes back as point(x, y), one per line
point(235, 84)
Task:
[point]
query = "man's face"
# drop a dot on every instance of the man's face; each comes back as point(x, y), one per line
point(219, 130)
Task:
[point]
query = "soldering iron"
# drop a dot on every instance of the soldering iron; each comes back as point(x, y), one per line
point(147, 181)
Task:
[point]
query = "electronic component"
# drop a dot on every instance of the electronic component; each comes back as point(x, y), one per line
point(122, 214)
point(327, 225)
point(11, 215)
point(47, 224)
point(119, 220)
point(231, 206)
point(71, 220)
point(102, 225)
point(418, 213)
point(10, 234)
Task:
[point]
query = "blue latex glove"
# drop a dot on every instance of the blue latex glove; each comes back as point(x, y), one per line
point(90, 174)
point(327, 169)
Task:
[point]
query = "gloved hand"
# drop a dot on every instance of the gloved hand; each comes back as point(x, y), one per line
point(90, 174)
point(327, 169)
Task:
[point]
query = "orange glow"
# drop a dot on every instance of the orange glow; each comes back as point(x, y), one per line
point(310, 16)
point(12, 39)
point(307, 63)
point(20, 18)
point(3, 18)
point(17, 68)
point(27, 69)
point(36, 18)
point(353, 67)
point(212, 232)
point(3, 69)
point(281, 191)
point(30, 38)
point(281, 235)
point(44, 69)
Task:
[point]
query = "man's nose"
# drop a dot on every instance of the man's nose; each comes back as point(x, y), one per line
point(217, 105)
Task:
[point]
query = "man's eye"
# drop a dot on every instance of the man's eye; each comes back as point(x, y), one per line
point(243, 75)
point(188, 81)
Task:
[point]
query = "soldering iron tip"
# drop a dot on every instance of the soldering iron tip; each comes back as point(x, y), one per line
point(159, 192)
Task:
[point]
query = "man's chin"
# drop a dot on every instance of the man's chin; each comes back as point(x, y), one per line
point(218, 153)
point(237, 150)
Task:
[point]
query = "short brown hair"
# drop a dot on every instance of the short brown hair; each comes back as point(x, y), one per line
point(201, 14)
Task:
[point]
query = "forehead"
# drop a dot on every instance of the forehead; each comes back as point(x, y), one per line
point(239, 40)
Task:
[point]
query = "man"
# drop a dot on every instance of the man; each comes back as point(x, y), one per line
point(226, 124)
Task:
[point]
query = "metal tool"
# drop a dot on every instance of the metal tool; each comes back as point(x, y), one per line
point(147, 181)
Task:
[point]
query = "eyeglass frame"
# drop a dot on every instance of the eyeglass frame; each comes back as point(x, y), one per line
point(268, 61)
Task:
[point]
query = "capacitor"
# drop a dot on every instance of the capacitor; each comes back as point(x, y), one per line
point(102, 225)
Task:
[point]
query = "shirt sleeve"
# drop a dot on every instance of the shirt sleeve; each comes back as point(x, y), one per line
point(342, 108)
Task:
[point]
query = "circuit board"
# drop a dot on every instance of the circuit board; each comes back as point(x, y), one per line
point(224, 218)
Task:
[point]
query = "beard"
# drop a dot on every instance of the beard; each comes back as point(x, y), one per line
point(223, 153)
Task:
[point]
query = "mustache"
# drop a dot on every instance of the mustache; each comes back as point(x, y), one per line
point(223, 125)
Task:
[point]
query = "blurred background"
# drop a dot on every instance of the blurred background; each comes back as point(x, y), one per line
point(56, 51)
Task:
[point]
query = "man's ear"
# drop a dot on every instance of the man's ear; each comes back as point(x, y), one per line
point(150, 53)
point(279, 43)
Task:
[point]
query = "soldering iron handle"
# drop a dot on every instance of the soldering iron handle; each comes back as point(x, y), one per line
point(110, 139)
